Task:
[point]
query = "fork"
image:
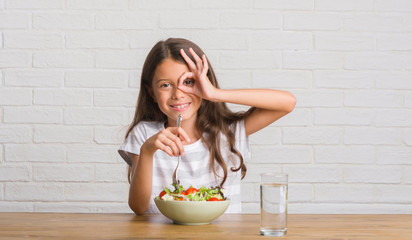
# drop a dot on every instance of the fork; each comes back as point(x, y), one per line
point(175, 177)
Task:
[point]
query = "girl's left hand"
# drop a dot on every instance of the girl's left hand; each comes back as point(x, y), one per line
point(200, 85)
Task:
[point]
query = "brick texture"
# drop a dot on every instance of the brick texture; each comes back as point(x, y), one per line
point(69, 81)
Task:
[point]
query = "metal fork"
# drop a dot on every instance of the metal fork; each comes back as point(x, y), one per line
point(175, 178)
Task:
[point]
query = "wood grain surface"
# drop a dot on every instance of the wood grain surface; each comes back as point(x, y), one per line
point(229, 226)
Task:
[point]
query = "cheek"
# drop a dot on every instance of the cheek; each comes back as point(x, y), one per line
point(162, 97)
point(197, 99)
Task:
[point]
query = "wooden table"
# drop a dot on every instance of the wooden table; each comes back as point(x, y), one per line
point(229, 226)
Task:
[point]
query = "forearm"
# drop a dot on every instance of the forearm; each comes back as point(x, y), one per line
point(141, 183)
point(269, 99)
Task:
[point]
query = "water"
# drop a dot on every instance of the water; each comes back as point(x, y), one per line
point(273, 209)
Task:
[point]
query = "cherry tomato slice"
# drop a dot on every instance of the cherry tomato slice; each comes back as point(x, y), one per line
point(191, 190)
point(162, 194)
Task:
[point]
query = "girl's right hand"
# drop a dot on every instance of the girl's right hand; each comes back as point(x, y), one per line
point(168, 141)
point(199, 83)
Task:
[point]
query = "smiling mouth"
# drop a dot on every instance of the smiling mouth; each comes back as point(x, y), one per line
point(180, 106)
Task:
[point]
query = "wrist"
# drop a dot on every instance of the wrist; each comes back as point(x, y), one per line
point(146, 150)
point(216, 96)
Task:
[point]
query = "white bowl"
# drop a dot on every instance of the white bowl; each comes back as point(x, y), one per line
point(192, 212)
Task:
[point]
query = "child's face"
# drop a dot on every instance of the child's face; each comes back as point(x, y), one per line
point(170, 99)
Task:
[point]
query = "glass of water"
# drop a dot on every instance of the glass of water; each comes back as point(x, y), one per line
point(273, 204)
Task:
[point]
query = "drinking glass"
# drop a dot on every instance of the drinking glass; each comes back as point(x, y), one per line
point(273, 204)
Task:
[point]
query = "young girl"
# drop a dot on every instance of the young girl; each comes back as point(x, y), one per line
point(177, 78)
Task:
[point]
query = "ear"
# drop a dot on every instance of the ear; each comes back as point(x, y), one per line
point(151, 93)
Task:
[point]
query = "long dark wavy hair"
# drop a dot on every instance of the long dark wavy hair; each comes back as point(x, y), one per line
point(213, 118)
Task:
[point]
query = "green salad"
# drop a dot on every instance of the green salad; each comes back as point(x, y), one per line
point(192, 194)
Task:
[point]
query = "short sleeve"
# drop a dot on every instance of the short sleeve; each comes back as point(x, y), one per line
point(242, 141)
point(132, 143)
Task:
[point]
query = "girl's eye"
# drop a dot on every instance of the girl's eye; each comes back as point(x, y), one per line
point(165, 85)
point(188, 82)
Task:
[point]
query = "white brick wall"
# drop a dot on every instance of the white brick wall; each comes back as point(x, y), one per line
point(69, 80)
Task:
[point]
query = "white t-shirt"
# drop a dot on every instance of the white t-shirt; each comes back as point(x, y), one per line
point(194, 168)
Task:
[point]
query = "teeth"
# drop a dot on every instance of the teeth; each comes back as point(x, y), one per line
point(181, 106)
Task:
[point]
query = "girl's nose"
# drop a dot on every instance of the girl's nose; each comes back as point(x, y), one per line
point(177, 93)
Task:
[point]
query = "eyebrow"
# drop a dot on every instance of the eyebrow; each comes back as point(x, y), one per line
point(163, 79)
